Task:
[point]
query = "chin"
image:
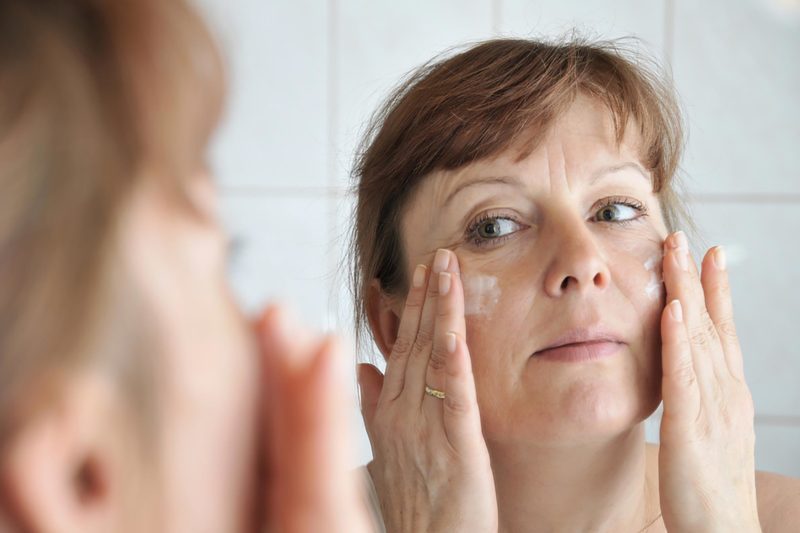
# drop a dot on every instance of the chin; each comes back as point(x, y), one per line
point(583, 413)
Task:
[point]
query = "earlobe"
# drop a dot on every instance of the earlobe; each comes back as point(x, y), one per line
point(384, 320)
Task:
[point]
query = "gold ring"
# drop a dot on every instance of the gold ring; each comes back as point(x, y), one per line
point(435, 393)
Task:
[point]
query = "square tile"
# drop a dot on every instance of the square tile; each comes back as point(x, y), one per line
point(379, 42)
point(275, 129)
point(778, 449)
point(736, 68)
point(281, 253)
point(607, 19)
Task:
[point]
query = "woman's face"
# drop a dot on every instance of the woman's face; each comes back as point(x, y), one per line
point(207, 364)
point(565, 242)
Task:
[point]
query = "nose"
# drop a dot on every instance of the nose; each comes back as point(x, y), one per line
point(578, 263)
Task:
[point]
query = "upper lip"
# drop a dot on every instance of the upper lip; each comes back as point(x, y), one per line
point(582, 335)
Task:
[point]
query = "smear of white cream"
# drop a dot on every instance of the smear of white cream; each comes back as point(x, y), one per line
point(655, 286)
point(481, 294)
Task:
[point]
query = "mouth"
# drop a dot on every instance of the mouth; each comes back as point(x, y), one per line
point(580, 345)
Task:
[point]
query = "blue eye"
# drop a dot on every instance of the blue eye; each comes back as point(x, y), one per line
point(618, 212)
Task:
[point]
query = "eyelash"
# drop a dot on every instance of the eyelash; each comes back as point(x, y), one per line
point(471, 233)
point(634, 204)
point(472, 237)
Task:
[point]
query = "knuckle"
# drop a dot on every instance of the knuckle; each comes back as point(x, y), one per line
point(702, 335)
point(423, 340)
point(685, 376)
point(437, 361)
point(708, 325)
point(455, 405)
point(698, 337)
point(727, 328)
point(401, 347)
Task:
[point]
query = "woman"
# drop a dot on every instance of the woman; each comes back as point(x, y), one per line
point(515, 250)
point(133, 394)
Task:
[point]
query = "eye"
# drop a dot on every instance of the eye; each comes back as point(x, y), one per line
point(617, 210)
point(492, 229)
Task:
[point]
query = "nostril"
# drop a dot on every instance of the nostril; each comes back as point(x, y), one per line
point(599, 279)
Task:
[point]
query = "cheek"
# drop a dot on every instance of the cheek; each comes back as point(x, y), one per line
point(638, 277)
point(481, 294)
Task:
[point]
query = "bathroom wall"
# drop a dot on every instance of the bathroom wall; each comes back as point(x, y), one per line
point(305, 75)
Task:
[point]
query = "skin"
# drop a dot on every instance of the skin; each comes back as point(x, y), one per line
point(565, 440)
point(252, 426)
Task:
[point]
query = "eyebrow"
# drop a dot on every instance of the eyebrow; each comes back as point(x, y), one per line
point(602, 172)
point(492, 180)
point(515, 182)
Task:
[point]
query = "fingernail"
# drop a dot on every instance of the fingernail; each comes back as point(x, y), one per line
point(444, 283)
point(441, 260)
point(419, 276)
point(451, 342)
point(680, 241)
point(676, 310)
point(720, 261)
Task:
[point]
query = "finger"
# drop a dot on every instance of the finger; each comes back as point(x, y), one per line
point(317, 490)
point(417, 366)
point(682, 284)
point(461, 417)
point(284, 346)
point(449, 319)
point(370, 383)
point(720, 308)
point(406, 334)
point(680, 391)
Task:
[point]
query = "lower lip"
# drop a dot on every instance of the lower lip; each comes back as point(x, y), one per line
point(580, 352)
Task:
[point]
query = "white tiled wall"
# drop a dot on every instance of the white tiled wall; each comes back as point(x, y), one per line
point(305, 76)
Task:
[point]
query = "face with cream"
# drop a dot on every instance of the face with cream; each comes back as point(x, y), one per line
point(560, 253)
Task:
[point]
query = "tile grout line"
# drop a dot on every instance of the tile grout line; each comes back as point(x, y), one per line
point(777, 420)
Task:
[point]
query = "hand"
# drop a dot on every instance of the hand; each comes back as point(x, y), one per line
point(431, 466)
point(706, 458)
point(309, 481)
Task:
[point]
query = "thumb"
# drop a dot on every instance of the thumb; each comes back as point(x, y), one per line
point(370, 384)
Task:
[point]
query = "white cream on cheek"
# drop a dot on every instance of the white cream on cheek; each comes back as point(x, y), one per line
point(654, 287)
point(481, 294)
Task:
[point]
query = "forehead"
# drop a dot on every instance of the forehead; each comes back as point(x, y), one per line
point(580, 142)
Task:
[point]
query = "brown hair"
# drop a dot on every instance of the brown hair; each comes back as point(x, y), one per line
point(493, 96)
point(96, 96)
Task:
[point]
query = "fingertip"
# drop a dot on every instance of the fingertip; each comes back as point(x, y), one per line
point(441, 260)
point(275, 323)
point(676, 311)
point(451, 342)
point(720, 260)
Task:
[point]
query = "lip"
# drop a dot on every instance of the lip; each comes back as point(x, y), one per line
point(581, 344)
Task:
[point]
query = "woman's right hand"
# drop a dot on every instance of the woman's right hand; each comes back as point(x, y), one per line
point(431, 466)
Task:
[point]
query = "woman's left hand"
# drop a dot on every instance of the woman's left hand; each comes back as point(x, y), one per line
point(706, 457)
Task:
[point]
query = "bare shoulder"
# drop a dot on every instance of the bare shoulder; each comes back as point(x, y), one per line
point(778, 502)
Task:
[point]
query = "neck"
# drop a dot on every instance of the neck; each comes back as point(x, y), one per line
point(597, 486)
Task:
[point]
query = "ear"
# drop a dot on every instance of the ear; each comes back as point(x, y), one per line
point(61, 470)
point(383, 314)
